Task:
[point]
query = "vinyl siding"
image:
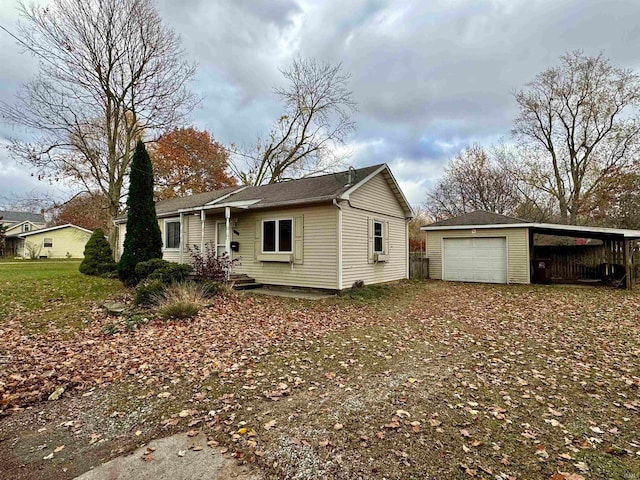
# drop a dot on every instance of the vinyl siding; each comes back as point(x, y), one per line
point(191, 235)
point(372, 201)
point(376, 195)
point(65, 240)
point(319, 267)
point(517, 250)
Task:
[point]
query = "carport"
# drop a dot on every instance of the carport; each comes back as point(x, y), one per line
point(490, 248)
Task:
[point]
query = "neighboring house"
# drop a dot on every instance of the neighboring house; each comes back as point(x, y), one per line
point(321, 232)
point(491, 248)
point(17, 223)
point(63, 241)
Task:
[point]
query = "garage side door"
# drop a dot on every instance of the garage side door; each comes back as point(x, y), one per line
point(475, 260)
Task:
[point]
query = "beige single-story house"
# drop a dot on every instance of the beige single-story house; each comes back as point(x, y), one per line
point(15, 224)
point(62, 241)
point(490, 248)
point(323, 232)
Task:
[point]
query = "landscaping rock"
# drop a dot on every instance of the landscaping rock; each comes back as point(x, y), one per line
point(57, 393)
point(114, 308)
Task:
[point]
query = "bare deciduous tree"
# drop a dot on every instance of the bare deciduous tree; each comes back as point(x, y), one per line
point(306, 138)
point(109, 73)
point(578, 126)
point(472, 181)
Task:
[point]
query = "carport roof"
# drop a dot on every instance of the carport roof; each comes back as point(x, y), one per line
point(485, 220)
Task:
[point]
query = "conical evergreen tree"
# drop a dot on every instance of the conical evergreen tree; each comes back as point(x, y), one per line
point(143, 240)
point(98, 257)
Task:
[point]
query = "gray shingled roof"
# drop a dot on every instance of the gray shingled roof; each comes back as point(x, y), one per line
point(303, 190)
point(18, 217)
point(291, 192)
point(479, 217)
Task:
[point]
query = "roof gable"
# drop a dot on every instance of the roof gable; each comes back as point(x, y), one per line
point(57, 227)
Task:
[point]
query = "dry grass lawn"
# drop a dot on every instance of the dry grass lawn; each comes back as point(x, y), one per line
point(415, 381)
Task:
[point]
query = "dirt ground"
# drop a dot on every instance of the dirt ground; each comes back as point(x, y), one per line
point(419, 380)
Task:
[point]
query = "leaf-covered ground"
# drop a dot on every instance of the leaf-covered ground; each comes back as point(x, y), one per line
point(428, 380)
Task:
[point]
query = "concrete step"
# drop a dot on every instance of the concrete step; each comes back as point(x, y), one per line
point(246, 286)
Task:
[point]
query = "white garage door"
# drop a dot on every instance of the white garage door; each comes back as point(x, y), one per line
point(475, 260)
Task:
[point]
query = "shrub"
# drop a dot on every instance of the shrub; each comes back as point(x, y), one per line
point(209, 265)
point(173, 273)
point(111, 329)
point(179, 310)
point(149, 292)
point(146, 268)
point(134, 321)
point(358, 284)
point(163, 271)
point(143, 240)
point(98, 257)
point(32, 249)
point(211, 288)
point(182, 300)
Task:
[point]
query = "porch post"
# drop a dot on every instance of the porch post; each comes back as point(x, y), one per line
point(626, 261)
point(627, 265)
point(181, 237)
point(203, 217)
point(227, 242)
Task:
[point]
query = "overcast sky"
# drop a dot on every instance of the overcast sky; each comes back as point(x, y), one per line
point(430, 77)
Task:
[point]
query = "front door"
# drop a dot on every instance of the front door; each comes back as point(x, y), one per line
point(221, 238)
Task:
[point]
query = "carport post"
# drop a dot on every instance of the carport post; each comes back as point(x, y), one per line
point(627, 264)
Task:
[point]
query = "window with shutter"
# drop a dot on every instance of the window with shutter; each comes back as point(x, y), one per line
point(277, 236)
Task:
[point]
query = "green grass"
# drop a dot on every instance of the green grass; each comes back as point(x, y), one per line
point(43, 291)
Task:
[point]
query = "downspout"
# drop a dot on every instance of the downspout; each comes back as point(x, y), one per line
point(335, 202)
point(406, 238)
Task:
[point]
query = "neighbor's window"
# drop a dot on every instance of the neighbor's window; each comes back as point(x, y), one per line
point(47, 243)
point(26, 227)
point(172, 233)
point(277, 236)
point(378, 237)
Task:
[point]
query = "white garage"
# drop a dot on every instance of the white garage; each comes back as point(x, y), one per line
point(475, 259)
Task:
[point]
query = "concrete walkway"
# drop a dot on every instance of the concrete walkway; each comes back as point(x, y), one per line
point(173, 458)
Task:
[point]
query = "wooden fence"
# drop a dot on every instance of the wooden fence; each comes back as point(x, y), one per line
point(589, 262)
point(418, 266)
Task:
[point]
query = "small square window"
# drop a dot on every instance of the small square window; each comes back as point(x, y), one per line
point(47, 243)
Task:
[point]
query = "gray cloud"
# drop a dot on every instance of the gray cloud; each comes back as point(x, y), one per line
point(430, 77)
